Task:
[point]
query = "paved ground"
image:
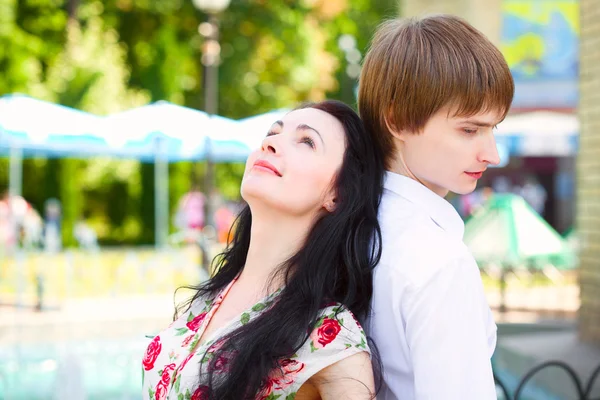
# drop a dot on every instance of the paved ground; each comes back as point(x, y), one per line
point(111, 331)
point(552, 301)
point(113, 317)
point(87, 319)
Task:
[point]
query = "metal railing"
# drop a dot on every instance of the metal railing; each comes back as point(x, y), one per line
point(584, 392)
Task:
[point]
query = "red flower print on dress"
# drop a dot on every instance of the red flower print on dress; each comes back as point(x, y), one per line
point(357, 322)
point(220, 364)
point(201, 393)
point(152, 353)
point(187, 341)
point(266, 390)
point(161, 391)
point(326, 333)
point(166, 373)
point(185, 361)
point(287, 375)
point(195, 323)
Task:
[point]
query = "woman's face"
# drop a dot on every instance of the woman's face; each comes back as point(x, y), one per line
point(294, 170)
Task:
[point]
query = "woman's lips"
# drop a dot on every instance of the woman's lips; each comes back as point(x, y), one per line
point(266, 166)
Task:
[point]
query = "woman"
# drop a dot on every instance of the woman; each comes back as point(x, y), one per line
point(279, 318)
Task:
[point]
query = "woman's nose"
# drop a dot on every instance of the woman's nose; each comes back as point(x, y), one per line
point(270, 145)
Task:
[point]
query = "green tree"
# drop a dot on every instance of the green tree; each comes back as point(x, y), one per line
point(147, 203)
point(108, 56)
point(359, 19)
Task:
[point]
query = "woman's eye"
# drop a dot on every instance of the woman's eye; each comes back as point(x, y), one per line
point(308, 141)
point(271, 133)
point(470, 131)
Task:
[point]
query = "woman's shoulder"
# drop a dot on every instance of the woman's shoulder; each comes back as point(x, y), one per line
point(337, 335)
point(340, 311)
point(339, 328)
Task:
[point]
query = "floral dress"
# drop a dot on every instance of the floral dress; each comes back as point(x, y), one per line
point(172, 362)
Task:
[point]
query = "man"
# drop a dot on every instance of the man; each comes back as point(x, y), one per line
point(431, 92)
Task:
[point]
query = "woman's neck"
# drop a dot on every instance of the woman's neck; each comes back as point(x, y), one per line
point(274, 238)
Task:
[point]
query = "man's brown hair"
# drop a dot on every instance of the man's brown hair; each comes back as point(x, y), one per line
point(417, 66)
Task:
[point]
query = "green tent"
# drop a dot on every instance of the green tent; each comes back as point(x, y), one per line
point(573, 240)
point(508, 232)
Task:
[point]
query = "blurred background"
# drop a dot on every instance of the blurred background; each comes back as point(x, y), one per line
point(124, 127)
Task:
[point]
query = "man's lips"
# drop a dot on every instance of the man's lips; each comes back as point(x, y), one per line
point(265, 165)
point(475, 175)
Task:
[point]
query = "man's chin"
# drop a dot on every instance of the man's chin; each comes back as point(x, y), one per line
point(464, 190)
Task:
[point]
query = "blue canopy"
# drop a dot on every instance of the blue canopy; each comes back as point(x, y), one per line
point(47, 129)
point(176, 132)
point(41, 128)
point(160, 132)
point(252, 130)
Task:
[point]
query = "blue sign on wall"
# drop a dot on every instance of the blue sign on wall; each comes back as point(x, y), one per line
point(540, 40)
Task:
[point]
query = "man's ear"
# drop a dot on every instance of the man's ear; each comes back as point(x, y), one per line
point(390, 124)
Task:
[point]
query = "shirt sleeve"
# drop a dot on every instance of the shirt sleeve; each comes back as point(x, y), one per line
point(447, 331)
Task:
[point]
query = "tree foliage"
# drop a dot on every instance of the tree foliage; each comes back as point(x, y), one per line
point(108, 56)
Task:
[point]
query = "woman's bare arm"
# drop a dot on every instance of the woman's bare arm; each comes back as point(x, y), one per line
point(350, 378)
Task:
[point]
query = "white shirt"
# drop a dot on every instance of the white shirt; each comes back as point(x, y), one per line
point(430, 319)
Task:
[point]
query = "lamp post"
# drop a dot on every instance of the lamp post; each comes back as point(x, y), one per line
point(211, 51)
point(347, 43)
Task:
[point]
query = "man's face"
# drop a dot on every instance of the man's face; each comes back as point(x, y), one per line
point(451, 152)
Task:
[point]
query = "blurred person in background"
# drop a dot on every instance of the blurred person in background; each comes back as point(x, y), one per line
point(33, 228)
point(279, 319)
point(431, 91)
point(501, 184)
point(224, 218)
point(190, 211)
point(52, 233)
point(7, 224)
point(534, 194)
point(85, 235)
point(20, 223)
point(475, 201)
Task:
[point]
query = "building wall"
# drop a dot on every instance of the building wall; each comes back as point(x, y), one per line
point(484, 15)
point(588, 170)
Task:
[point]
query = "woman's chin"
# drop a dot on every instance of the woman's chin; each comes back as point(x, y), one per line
point(260, 197)
point(254, 191)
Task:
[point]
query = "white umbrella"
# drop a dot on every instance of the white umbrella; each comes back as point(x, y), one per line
point(540, 133)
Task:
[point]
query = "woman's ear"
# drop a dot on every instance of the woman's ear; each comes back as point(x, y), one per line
point(330, 205)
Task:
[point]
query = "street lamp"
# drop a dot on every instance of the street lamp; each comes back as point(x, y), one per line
point(211, 6)
point(347, 43)
point(211, 51)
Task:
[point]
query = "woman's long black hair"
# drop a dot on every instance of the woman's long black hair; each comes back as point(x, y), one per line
point(334, 265)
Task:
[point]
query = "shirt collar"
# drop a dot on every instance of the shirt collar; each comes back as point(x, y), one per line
point(439, 209)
